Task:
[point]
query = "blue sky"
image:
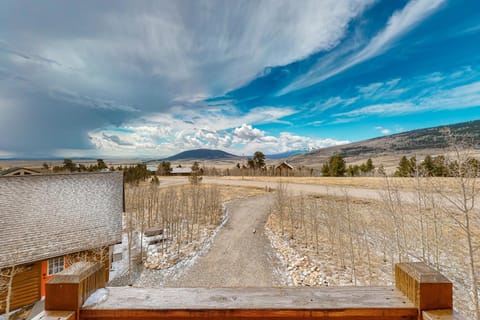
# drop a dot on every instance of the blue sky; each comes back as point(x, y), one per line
point(153, 78)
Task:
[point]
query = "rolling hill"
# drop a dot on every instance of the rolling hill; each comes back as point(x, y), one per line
point(202, 154)
point(417, 142)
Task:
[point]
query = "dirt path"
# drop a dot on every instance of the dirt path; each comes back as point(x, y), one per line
point(295, 188)
point(238, 257)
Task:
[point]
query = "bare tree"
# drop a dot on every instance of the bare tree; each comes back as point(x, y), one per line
point(393, 203)
point(350, 221)
point(7, 276)
point(281, 203)
point(461, 206)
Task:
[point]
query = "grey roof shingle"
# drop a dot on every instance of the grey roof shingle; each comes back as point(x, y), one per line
point(45, 216)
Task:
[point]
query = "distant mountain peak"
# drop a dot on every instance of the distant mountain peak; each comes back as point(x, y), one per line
point(202, 154)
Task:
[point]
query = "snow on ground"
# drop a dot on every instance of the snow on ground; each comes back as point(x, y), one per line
point(178, 264)
point(156, 278)
point(308, 267)
point(95, 298)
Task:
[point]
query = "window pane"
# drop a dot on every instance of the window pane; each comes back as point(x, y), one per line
point(55, 265)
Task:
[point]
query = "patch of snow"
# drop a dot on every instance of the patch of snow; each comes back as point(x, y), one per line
point(96, 298)
point(157, 278)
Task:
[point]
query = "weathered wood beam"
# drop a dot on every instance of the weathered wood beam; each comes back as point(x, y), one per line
point(445, 314)
point(55, 315)
point(426, 288)
point(252, 303)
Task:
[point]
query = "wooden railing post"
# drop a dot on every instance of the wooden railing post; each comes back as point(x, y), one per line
point(69, 289)
point(426, 288)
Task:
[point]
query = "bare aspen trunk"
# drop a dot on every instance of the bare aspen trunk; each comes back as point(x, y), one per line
point(348, 215)
point(473, 274)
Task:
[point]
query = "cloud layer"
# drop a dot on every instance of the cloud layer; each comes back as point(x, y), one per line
point(149, 78)
point(164, 135)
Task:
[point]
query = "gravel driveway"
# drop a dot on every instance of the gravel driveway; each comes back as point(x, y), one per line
point(241, 254)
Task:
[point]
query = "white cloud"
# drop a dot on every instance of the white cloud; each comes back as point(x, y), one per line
point(165, 135)
point(334, 102)
point(182, 129)
point(383, 130)
point(90, 102)
point(200, 47)
point(218, 119)
point(381, 90)
point(457, 98)
point(386, 109)
point(6, 154)
point(399, 23)
point(247, 133)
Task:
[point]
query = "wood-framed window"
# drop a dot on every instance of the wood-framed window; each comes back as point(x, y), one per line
point(55, 265)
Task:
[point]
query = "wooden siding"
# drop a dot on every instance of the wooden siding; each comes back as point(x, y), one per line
point(26, 287)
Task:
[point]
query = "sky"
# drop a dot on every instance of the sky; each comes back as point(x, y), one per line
point(147, 79)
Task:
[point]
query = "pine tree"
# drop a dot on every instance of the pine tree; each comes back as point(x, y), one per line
point(404, 168)
point(335, 167)
point(428, 166)
point(325, 170)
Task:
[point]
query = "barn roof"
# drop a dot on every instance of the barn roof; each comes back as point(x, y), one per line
point(45, 216)
point(285, 164)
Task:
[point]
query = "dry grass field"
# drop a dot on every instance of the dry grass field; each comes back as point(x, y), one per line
point(343, 240)
point(373, 183)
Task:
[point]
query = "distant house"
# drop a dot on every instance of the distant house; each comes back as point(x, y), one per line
point(284, 169)
point(181, 171)
point(152, 168)
point(48, 222)
point(17, 171)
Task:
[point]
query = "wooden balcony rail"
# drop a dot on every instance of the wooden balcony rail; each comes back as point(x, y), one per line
point(425, 287)
point(420, 293)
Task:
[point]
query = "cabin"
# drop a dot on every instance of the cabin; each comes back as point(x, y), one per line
point(152, 169)
point(181, 171)
point(17, 171)
point(284, 169)
point(48, 222)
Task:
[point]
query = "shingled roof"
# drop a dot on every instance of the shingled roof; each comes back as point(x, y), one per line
point(13, 169)
point(46, 216)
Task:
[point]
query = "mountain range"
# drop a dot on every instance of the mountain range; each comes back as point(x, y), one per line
point(422, 141)
point(417, 142)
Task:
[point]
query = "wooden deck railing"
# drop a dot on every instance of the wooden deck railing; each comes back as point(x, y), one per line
point(69, 289)
point(420, 293)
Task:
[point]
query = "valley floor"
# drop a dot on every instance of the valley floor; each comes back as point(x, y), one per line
point(251, 249)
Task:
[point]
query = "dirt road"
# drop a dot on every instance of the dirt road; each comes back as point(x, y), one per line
point(294, 188)
point(241, 254)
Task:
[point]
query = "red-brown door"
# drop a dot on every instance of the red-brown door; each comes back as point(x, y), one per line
point(56, 265)
point(45, 277)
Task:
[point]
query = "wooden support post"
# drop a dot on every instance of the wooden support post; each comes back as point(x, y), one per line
point(446, 314)
point(69, 289)
point(425, 287)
